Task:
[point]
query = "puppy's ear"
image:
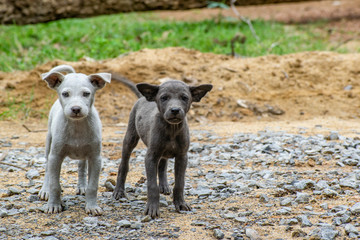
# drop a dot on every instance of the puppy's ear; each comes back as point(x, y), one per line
point(99, 80)
point(148, 91)
point(53, 79)
point(197, 93)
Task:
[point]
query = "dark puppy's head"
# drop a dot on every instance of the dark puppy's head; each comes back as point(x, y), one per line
point(173, 98)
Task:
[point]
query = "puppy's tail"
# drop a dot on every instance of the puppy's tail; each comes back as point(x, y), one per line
point(126, 82)
point(63, 68)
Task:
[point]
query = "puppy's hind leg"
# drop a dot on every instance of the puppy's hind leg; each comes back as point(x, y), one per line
point(82, 177)
point(162, 173)
point(130, 141)
point(178, 196)
point(44, 192)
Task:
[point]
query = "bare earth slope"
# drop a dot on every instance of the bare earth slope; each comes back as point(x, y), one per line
point(302, 85)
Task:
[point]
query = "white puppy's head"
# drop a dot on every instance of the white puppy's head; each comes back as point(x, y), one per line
point(76, 91)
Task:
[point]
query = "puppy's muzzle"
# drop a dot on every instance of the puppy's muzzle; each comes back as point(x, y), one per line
point(76, 112)
point(174, 115)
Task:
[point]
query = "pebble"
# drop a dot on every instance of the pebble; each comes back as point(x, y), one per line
point(262, 167)
point(355, 209)
point(304, 221)
point(32, 173)
point(124, 223)
point(252, 234)
point(218, 234)
point(3, 213)
point(302, 197)
point(327, 232)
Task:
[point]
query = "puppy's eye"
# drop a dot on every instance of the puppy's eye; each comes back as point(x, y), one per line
point(86, 94)
point(65, 94)
point(164, 98)
point(185, 98)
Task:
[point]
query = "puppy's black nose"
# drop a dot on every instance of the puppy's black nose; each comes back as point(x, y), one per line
point(76, 110)
point(175, 110)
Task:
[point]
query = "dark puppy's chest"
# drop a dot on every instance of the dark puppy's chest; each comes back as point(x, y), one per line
point(174, 146)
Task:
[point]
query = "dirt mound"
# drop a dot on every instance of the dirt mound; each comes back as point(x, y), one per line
point(291, 87)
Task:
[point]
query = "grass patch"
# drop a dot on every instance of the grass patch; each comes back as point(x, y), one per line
point(23, 47)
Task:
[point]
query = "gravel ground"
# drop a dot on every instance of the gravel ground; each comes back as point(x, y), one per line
point(264, 185)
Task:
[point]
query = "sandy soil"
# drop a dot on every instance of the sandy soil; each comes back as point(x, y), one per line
point(292, 87)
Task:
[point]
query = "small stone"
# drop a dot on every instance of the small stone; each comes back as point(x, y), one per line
point(333, 136)
point(292, 221)
point(48, 233)
point(302, 197)
point(349, 228)
point(304, 221)
point(218, 234)
point(229, 216)
point(110, 185)
point(136, 225)
point(252, 234)
point(33, 198)
point(264, 198)
point(355, 209)
point(124, 223)
point(242, 220)
point(3, 213)
point(283, 211)
point(147, 218)
point(32, 173)
point(163, 203)
point(91, 220)
point(286, 202)
point(298, 233)
point(199, 223)
point(329, 193)
point(14, 191)
point(324, 232)
point(324, 206)
point(348, 87)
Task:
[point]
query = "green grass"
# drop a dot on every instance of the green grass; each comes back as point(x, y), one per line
point(23, 47)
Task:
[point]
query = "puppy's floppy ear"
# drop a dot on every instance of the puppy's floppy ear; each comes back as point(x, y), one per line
point(98, 80)
point(148, 91)
point(53, 79)
point(199, 92)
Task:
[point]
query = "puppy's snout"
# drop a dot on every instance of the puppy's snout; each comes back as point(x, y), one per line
point(175, 110)
point(76, 109)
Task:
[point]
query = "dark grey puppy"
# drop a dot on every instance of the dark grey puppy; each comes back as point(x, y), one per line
point(159, 119)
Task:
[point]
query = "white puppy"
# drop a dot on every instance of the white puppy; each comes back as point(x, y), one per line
point(74, 130)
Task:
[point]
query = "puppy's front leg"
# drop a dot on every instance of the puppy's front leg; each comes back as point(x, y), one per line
point(153, 193)
point(94, 165)
point(53, 168)
point(178, 196)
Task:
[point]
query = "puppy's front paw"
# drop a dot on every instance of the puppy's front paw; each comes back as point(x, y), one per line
point(152, 209)
point(80, 190)
point(94, 210)
point(118, 194)
point(53, 208)
point(181, 206)
point(44, 195)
